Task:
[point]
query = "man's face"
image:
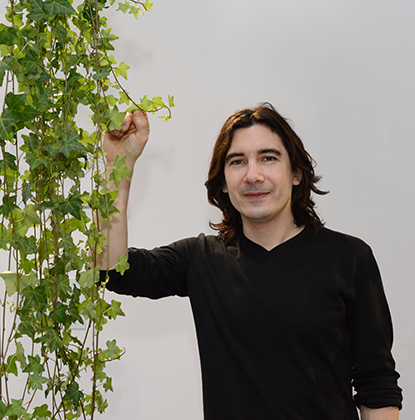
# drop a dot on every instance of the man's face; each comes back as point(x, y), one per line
point(258, 176)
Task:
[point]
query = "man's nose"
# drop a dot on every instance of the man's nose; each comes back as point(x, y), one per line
point(254, 174)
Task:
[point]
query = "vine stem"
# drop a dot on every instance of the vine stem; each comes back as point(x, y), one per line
point(132, 101)
point(3, 333)
point(141, 4)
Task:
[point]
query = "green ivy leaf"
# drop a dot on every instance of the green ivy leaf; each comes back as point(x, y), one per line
point(50, 338)
point(36, 381)
point(73, 205)
point(24, 219)
point(127, 7)
point(73, 394)
point(123, 264)
point(26, 191)
point(66, 241)
point(122, 70)
point(102, 308)
point(115, 310)
point(59, 315)
point(17, 104)
point(171, 101)
point(11, 366)
point(100, 364)
point(71, 144)
point(148, 5)
point(9, 204)
point(124, 99)
point(112, 351)
point(16, 283)
point(8, 35)
point(124, 7)
point(112, 100)
point(6, 236)
point(35, 162)
point(3, 410)
point(60, 32)
point(5, 65)
point(158, 102)
point(6, 124)
point(89, 278)
point(105, 204)
point(26, 245)
point(88, 309)
point(32, 47)
point(29, 65)
point(28, 326)
point(42, 101)
point(27, 265)
point(20, 357)
point(42, 412)
point(64, 288)
point(37, 14)
point(16, 409)
point(9, 162)
point(108, 385)
point(34, 365)
point(4, 50)
point(53, 7)
point(120, 171)
point(74, 314)
point(115, 117)
point(146, 104)
point(102, 74)
point(107, 37)
point(35, 298)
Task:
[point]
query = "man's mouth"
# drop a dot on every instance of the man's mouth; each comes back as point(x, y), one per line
point(256, 195)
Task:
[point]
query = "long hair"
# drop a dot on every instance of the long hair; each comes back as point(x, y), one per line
point(302, 205)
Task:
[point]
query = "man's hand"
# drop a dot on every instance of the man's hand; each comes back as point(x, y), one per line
point(129, 140)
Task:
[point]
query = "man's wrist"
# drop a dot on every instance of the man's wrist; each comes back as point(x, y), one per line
point(109, 165)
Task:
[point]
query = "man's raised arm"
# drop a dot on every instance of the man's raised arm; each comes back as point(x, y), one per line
point(386, 413)
point(129, 141)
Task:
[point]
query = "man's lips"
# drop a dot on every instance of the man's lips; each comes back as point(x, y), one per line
point(255, 194)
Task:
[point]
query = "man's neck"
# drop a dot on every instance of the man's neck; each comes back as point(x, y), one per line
point(270, 235)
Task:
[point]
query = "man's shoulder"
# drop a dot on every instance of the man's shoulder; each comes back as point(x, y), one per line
point(342, 241)
point(201, 241)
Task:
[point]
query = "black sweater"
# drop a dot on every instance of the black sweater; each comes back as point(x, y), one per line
point(282, 334)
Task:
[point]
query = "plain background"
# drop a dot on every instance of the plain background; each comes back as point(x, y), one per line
point(343, 72)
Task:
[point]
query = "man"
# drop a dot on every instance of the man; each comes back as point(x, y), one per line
point(289, 315)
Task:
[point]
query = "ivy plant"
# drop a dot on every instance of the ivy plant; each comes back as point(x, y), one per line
point(55, 58)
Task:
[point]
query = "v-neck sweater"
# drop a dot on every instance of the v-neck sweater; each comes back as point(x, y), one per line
point(282, 334)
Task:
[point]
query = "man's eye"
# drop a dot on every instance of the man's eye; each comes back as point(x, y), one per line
point(236, 162)
point(269, 158)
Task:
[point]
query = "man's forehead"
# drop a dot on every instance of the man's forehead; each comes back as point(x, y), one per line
point(257, 138)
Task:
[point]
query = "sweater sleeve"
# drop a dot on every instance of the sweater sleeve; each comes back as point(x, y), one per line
point(155, 273)
point(373, 371)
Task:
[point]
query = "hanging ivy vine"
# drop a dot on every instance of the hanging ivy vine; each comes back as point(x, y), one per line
point(54, 58)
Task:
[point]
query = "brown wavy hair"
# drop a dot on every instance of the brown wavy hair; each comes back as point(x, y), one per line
point(302, 205)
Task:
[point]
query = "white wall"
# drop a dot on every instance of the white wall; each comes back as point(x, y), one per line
point(343, 71)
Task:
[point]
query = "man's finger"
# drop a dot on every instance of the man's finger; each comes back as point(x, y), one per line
point(140, 118)
point(115, 133)
point(125, 125)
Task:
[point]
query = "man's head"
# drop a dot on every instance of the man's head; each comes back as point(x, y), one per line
point(302, 206)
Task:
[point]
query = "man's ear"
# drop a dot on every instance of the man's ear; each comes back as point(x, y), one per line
point(297, 178)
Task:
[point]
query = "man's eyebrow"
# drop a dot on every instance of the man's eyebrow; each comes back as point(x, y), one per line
point(259, 152)
point(233, 155)
point(272, 150)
